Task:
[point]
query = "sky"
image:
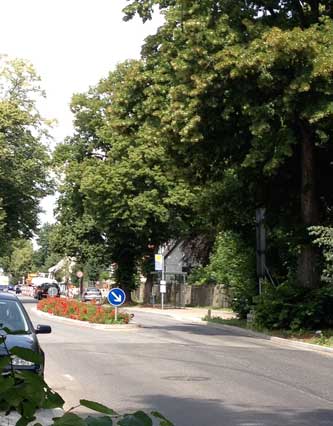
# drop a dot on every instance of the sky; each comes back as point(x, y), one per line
point(72, 45)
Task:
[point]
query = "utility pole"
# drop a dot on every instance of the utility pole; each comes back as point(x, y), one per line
point(261, 246)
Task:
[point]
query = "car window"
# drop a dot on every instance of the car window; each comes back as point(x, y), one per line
point(12, 317)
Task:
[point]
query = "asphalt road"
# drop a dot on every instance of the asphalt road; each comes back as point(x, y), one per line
point(194, 374)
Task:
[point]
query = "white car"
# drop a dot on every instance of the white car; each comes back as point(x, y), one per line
point(92, 293)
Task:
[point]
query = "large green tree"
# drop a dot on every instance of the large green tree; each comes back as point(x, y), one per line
point(24, 159)
point(46, 255)
point(248, 109)
point(21, 259)
point(124, 181)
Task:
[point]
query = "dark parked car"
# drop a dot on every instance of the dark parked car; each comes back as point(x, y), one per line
point(92, 293)
point(46, 289)
point(17, 330)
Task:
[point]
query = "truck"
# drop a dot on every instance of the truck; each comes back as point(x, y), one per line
point(4, 282)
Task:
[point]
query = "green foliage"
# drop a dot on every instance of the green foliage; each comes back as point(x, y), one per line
point(24, 160)
point(20, 259)
point(231, 264)
point(293, 308)
point(210, 123)
point(121, 191)
point(23, 391)
point(324, 239)
point(45, 256)
point(239, 89)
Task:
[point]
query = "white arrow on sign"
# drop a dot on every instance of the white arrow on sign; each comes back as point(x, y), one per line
point(117, 297)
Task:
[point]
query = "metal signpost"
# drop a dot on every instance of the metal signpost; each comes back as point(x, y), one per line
point(261, 245)
point(162, 291)
point(79, 274)
point(159, 266)
point(116, 297)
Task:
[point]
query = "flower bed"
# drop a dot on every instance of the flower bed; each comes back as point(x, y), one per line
point(77, 310)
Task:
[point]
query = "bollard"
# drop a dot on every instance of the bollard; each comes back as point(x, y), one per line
point(209, 314)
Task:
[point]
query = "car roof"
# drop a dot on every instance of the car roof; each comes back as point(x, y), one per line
point(8, 296)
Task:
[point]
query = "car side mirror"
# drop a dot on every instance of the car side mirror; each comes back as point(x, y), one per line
point(43, 329)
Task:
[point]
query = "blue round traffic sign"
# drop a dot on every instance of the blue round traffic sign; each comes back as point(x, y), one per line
point(116, 297)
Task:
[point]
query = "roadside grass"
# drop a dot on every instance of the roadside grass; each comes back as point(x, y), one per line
point(210, 307)
point(316, 337)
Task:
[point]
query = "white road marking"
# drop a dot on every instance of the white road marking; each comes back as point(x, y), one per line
point(69, 377)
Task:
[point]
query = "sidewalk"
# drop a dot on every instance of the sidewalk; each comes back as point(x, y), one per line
point(189, 314)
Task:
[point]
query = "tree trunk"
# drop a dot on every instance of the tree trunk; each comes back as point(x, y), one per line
point(148, 289)
point(308, 273)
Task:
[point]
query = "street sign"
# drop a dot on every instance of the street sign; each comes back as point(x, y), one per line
point(52, 291)
point(158, 262)
point(162, 286)
point(116, 297)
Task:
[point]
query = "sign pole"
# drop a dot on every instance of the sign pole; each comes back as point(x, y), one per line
point(79, 274)
point(162, 294)
point(116, 313)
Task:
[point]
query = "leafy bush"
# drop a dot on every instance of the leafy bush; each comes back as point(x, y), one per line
point(232, 264)
point(77, 310)
point(201, 275)
point(324, 239)
point(294, 308)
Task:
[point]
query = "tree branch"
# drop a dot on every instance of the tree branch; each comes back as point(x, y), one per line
point(299, 8)
point(314, 5)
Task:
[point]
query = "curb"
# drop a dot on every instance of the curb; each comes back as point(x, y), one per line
point(249, 333)
point(132, 326)
point(279, 340)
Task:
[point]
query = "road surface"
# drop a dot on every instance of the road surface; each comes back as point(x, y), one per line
point(194, 374)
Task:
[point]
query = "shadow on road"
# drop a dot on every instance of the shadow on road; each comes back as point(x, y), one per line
point(204, 330)
point(196, 412)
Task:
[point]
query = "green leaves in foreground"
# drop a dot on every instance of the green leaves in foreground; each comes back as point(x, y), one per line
point(26, 354)
point(96, 406)
point(138, 418)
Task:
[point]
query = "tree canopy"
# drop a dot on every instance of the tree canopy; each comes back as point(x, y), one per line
point(227, 110)
point(120, 177)
point(24, 158)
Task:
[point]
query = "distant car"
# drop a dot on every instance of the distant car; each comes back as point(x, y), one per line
point(46, 289)
point(3, 287)
point(92, 293)
point(17, 329)
point(11, 287)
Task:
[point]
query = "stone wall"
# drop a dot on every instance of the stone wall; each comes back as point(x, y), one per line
point(207, 295)
point(188, 295)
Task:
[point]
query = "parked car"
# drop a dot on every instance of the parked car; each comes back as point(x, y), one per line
point(17, 329)
point(46, 289)
point(11, 287)
point(3, 288)
point(92, 293)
